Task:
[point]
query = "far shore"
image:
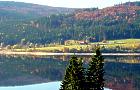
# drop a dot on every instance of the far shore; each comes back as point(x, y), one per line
point(37, 53)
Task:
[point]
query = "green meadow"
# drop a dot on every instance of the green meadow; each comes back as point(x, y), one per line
point(123, 44)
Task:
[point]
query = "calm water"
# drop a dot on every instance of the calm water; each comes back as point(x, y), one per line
point(43, 86)
point(122, 73)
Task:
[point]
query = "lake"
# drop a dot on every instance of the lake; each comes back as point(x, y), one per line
point(22, 72)
point(44, 86)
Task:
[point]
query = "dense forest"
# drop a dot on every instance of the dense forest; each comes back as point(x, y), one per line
point(93, 24)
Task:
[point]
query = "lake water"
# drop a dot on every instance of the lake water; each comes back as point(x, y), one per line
point(44, 86)
point(35, 73)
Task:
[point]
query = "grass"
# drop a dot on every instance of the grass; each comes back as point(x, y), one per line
point(55, 48)
point(62, 47)
point(126, 41)
point(110, 44)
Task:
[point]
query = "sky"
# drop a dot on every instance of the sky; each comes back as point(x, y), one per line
point(75, 3)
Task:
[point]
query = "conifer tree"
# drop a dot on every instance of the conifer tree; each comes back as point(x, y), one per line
point(75, 78)
point(74, 75)
point(95, 72)
point(81, 75)
point(66, 85)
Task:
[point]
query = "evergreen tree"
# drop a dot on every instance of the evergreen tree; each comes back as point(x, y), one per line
point(66, 85)
point(75, 79)
point(81, 75)
point(74, 75)
point(95, 72)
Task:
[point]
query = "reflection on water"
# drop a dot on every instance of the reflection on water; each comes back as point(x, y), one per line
point(29, 70)
point(122, 73)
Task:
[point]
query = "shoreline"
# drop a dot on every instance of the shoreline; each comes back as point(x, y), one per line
point(64, 54)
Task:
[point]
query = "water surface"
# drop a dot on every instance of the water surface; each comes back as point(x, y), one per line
point(122, 72)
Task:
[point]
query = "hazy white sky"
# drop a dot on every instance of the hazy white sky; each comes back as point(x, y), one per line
point(75, 3)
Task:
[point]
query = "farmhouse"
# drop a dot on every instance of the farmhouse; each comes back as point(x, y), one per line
point(75, 42)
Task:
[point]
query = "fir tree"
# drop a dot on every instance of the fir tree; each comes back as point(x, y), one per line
point(75, 79)
point(74, 75)
point(81, 75)
point(66, 85)
point(95, 72)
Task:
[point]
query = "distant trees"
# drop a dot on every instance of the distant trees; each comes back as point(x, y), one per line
point(76, 78)
point(23, 41)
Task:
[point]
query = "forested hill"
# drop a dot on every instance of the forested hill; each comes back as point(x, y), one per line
point(117, 22)
point(128, 10)
point(20, 10)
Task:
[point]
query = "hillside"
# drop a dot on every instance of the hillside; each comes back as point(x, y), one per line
point(111, 23)
point(117, 22)
point(129, 10)
point(20, 10)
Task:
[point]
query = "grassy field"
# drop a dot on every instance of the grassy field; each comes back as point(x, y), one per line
point(109, 44)
point(56, 48)
point(124, 43)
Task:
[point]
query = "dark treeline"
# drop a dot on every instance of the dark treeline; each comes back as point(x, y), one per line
point(65, 27)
